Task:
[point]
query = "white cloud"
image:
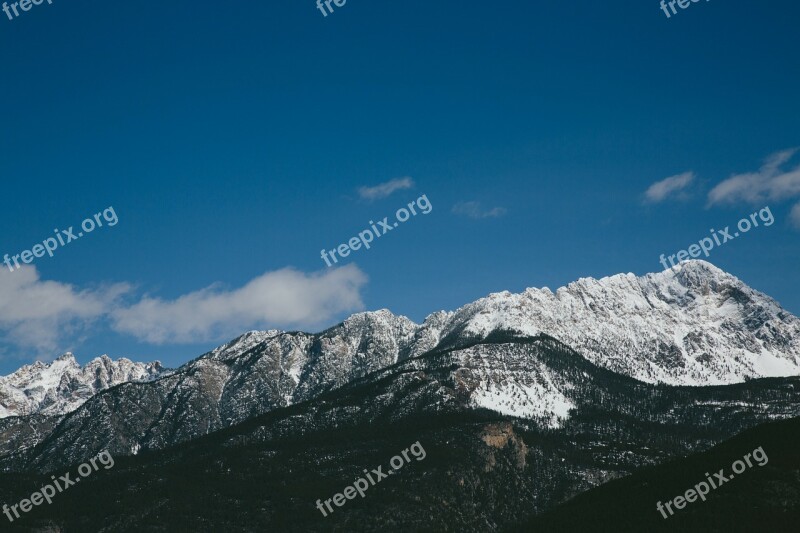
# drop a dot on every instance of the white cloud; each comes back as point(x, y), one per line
point(383, 190)
point(770, 182)
point(671, 186)
point(282, 298)
point(38, 315)
point(43, 318)
point(474, 210)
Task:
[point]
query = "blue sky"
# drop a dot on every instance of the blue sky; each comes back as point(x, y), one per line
point(232, 140)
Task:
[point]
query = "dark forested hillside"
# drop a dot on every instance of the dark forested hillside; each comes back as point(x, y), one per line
point(483, 470)
point(762, 498)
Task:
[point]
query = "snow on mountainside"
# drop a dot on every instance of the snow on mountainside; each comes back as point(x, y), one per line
point(63, 385)
point(513, 381)
point(255, 373)
point(690, 325)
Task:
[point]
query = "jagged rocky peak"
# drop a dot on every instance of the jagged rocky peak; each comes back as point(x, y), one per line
point(63, 385)
point(67, 357)
point(692, 324)
point(428, 335)
point(241, 344)
point(376, 322)
point(373, 338)
point(698, 274)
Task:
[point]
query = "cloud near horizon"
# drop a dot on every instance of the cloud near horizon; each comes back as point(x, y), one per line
point(383, 190)
point(47, 316)
point(284, 298)
point(671, 187)
point(38, 315)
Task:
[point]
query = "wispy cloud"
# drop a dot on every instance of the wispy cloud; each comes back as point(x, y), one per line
point(474, 210)
point(770, 182)
point(44, 318)
point(39, 316)
point(671, 187)
point(282, 298)
point(382, 190)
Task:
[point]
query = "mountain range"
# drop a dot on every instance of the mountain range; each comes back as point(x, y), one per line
point(523, 401)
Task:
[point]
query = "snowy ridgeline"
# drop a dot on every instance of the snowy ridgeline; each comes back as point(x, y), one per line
point(63, 385)
point(690, 325)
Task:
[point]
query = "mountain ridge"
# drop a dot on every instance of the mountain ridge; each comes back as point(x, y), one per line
point(63, 385)
point(261, 371)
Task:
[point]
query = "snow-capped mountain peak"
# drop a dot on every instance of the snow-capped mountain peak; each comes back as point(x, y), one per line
point(692, 324)
point(63, 385)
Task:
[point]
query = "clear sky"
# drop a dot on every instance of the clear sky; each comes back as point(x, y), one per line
point(235, 140)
